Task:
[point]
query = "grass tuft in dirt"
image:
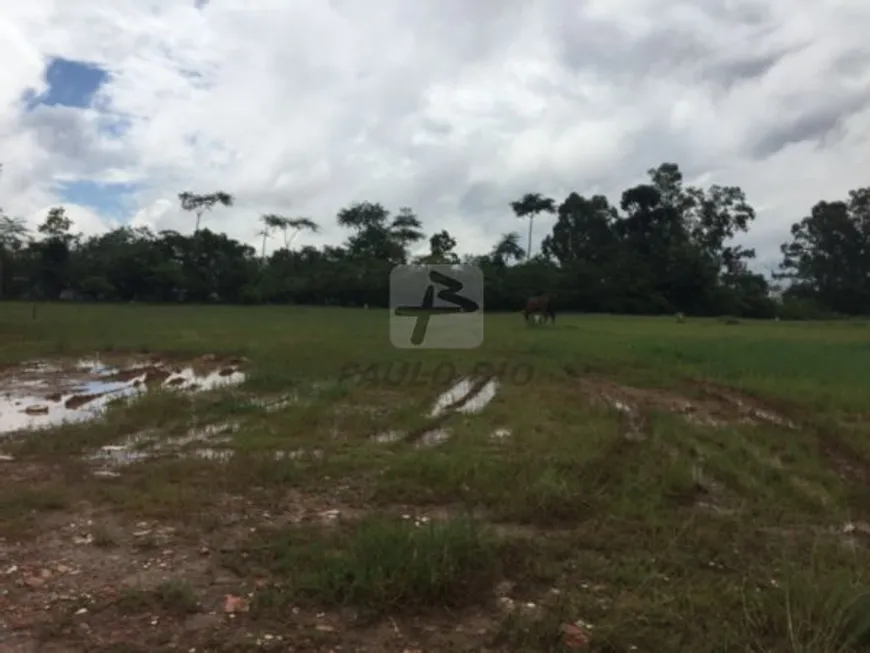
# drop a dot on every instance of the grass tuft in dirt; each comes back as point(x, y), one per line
point(381, 565)
point(21, 507)
point(809, 614)
point(171, 597)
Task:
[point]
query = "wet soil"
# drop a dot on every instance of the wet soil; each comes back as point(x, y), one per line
point(41, 394)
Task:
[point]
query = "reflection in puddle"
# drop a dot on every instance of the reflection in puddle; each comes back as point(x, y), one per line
point(480, 400)
point(465, 397)
point(130, 450)
point(208, 433)
point(216, 455)
point(458, 392)
point(148, 444)
point(39, 395)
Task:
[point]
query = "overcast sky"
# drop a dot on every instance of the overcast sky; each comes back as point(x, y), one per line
point(453, 107)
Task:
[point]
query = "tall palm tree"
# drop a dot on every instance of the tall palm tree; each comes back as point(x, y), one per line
point(507, 248)
point(296, 225)
point(199, 204)
point(289, 226)
point(529, 206)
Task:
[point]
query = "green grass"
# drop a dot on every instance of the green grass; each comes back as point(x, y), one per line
point(172, 597)
point(381, 566)
point(19, 506)
point(666, 533)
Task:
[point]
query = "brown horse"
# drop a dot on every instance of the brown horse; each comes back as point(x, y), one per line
point(539, 305)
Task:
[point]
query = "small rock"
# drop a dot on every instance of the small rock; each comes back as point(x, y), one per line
point(506, 603)
point(575, 636)
point(234, 604)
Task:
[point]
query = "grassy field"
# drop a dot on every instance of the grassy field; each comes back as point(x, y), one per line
point(635, 484)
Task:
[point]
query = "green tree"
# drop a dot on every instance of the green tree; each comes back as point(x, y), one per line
point(13, 234)
point(441, 246)
point(828, 257)
point(507, 249)
point(55, 252)
point(376, 237)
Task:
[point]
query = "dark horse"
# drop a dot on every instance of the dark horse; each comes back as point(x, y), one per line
point(539, 305)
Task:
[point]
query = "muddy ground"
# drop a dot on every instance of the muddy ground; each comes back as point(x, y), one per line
point(83, 574)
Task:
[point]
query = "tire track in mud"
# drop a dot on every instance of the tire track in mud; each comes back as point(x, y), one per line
point(846, 460)
point(467, 395)
point(720, 406)
point(465, 392)
point(747, 405)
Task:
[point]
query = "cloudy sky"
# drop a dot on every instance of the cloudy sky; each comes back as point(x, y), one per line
point(453, 107)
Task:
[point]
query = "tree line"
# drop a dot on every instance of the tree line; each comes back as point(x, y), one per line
point(666, 247)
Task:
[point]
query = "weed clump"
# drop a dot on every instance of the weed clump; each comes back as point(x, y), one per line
point(381, 565)
point(173, 597)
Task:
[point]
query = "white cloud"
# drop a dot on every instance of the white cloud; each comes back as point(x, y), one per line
point(453, 108)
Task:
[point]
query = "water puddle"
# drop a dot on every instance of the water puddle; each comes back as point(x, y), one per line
point(296, 454)
point(146, 445)
point(214, 455)
point(466, 396)
point(42, 394)
point(481, 399)
point(214, 433)
point(433, 438)
point(280, 403)
point(388, 437)
point(454, 395)
point(133, 448)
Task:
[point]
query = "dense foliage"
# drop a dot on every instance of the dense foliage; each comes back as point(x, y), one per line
point(665, 248)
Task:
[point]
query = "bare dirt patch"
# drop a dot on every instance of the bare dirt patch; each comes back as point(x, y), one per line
point(44, 393)
point(16, 472)
point(93, 579)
